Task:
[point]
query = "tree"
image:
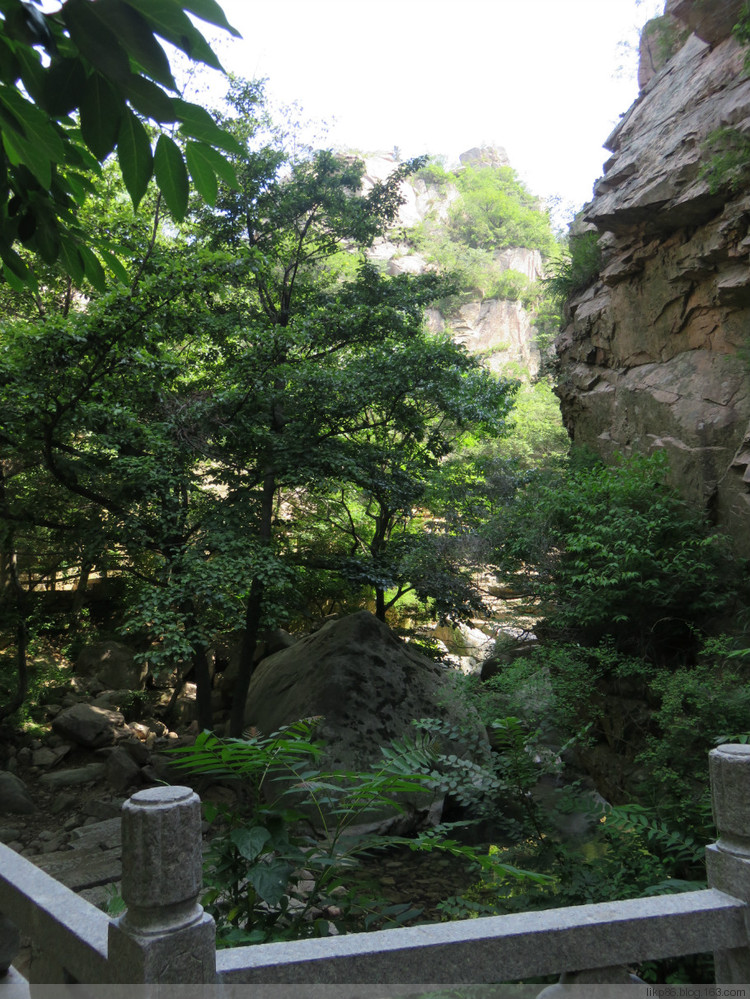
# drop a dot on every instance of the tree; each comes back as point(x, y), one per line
point(101, 62)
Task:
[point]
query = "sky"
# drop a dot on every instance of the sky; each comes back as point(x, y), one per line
point(546, 79)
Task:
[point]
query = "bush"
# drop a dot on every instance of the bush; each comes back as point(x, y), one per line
point(614, 552)
point(578, 268)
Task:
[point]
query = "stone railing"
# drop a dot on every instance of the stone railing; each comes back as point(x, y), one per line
point(165, 937)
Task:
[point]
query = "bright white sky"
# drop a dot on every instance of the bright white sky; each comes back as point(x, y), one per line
point(546, 79)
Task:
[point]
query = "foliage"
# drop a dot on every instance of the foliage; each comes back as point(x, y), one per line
point(497, 211)
point(578, 268)
point(617, 553)
point(435, 174)
point(698, 707)
point(726, 168)
point(104, 62)
point(726, 148)
point(493, 210)
point(283, 866)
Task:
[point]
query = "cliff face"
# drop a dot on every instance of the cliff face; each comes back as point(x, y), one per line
point(657, 352)
point(501, 330)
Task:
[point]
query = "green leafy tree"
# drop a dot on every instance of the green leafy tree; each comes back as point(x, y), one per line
point(618, 555)
point(78, 84)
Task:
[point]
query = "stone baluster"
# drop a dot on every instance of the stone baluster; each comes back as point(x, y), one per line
point(728, 859)
point(164, 936)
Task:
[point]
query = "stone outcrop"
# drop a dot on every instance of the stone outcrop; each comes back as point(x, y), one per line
point(364, 684)
point(655, 352)
point(500, 330)
point(113, 664)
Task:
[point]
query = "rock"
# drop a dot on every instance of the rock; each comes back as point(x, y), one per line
point(122, 770)
point(103, 808)
point(461, 640)
point(14, 795)
point(649, 359)
point(366, 685)
point(88, 725)
point(481, 156)
point(63, 802)
point(72, 778)
point(712, 22)
point(226, 659)
point(500, 330)
point(47, 757)
point(104, 834)
point(52, 844)
point(661, 37)
point(112, 664)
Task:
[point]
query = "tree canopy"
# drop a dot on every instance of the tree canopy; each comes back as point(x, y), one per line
point(78, 84)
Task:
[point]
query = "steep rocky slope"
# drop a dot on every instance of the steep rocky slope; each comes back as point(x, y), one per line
point(502, 330)
point(656, 353)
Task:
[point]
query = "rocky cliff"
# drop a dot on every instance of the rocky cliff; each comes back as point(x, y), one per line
point(501, 330)
point(656, 352)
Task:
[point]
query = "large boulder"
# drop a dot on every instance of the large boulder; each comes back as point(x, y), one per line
point(114, 665)
point(88, 725)
point(367, 686)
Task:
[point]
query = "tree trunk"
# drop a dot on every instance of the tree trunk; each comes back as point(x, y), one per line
point(21, 643)
point(253, 617)
point(380, 604)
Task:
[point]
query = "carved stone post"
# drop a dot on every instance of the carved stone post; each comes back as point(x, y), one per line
point(728, 860)
point(164, 936)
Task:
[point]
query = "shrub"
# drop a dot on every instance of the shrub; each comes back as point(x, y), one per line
point(614, 552)
point(578, 268)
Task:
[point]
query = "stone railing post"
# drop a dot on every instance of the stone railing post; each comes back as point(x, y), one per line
point(164, 936)
point(728, 859)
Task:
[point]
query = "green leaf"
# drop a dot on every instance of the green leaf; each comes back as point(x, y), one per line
point(95, 40)
point(15, 282)
point(250, 842)
point(23, 153)
point(72, 260)
point(201, 171)
point(210, 11)
point(216, 162)
point(168, 20)
point(112, 263)
point(93, 269)
point(196, 122)
point(134, 156)
point(150, 100)
point(35, 127)
point(101, 111)
point(134, 33)
point(171, 176)
point(270, 880)
point(64, 87)
point(14, 264)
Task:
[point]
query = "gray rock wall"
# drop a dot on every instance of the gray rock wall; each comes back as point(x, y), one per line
point(657, 352)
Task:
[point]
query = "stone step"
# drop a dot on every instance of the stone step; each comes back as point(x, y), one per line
point(84, 868)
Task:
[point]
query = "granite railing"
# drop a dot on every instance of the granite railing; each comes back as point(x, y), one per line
point(165, 937)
